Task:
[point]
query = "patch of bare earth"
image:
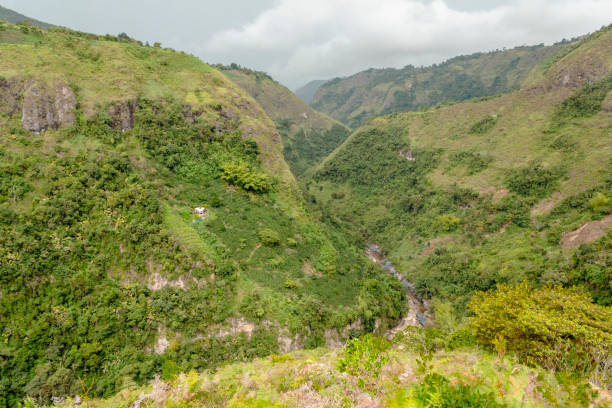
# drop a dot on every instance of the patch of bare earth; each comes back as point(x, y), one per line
point(547, 204)
point(495, 193)
point(309, 270)
point(588, 232)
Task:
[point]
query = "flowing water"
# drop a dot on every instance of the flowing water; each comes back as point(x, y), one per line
point(418, 313)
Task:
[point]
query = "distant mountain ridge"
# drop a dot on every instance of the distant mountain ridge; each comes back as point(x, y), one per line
point(307, 92)
point(500, 189)
point(17, 18)
point(355, 99)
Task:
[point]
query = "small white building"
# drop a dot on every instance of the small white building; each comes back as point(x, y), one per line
point(201, 211)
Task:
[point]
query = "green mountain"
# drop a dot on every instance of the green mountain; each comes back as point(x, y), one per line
point(356, 99)
point(149, 224)
point(13, 17)
point(308, 136)
point(494, 190)
point(307, 92)
point(156, 249)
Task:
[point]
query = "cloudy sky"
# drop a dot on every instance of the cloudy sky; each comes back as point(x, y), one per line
point(300, 40)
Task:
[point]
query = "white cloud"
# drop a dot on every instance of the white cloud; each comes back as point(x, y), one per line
point(299, 40)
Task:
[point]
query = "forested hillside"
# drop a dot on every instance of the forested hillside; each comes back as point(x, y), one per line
point(356, 99)
point(149, 224)
point(156, 249)
point(497, 190)
point(308, 136)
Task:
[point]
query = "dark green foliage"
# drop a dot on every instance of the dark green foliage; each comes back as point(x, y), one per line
point(436, 390)
point(592, 268)
point(585, 102)
point(533, 180)
point(268, 237)
point(474, 162)
point(484, 125)
point(303, 150)
point(374, 159)
point(86, 222)
point(451, 276)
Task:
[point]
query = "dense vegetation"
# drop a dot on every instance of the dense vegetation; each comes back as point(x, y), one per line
point(160, 233)
point(356, 99)
point(79, 245)
point(107, 278)
point(464, 199)
point(307, 135)
point(437, 367)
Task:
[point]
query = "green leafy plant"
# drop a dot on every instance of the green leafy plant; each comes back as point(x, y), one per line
point(585, 102)
point(533, 180)
point(269, 237)
point(363, 358)
point(447, 222)
point(599, 203)
point(239, 174)
point(538, 324)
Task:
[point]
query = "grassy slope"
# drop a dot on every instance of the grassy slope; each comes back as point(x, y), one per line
point(13, 17)
point(313, 378)
point(449, 219)
point(308, 136)
point(355, 99)
point(93, 219)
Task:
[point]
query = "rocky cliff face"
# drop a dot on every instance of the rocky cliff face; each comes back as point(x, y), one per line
point(42, 107)
point(11, 96)
point(45, 108)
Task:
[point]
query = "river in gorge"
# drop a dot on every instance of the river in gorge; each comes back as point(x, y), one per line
point(418, 314)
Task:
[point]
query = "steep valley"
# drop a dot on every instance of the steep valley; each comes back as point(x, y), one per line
point(178, 234)
point(108, 274)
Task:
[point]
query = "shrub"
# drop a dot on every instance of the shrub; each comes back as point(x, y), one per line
point(240, 175)
point(437, 391)
point(585, 102)
point(483, 126)
point(474, 162)
point(541, 324)
point(269, 237)
point(338, 195)
point(532, 181)
point(599, 202)
point(447, 222)
point(363, 358)
point(290, 284)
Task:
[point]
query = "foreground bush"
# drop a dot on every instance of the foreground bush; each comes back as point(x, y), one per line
point(546, 326)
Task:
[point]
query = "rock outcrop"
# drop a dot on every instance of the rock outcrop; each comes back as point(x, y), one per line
point(122, 113)
point(45, 109)
point(11, 96)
